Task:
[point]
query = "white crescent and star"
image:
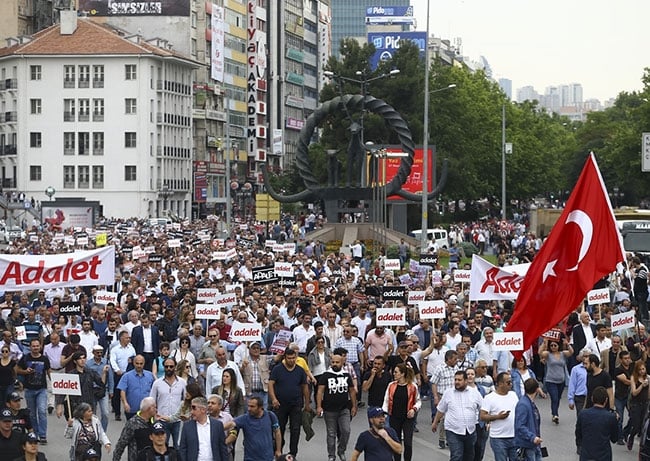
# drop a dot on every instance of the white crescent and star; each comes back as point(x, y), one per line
point(583, 221)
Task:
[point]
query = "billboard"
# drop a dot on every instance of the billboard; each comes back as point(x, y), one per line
point(413, 182)
point(218, 43)
point(387, 15)
point(62, 217)
point(386, 43)
point(135, 8)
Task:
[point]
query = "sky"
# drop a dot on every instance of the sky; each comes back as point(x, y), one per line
point(602, 44)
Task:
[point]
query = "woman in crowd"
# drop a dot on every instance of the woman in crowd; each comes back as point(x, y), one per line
point(555, 357)
point(86, 432)
point(402, 402)
point(183, 353)
point(184, 370)
point(30, 449)
point(7, 372)
point(639, 392)
point(520, 373)
point(318, 360)
point(184, 411)
point(230, 392)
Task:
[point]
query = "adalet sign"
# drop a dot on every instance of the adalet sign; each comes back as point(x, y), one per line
point(599, 296)
point(510, 341)
point(623, 321)
point(432, 309)
point(65, 384)
point(390, 316)
point(245, 332)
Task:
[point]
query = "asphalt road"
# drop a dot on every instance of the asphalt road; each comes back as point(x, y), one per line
point(559, 439)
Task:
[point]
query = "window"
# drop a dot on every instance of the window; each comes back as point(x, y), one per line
point(98, 110)
point(98, 176)
point(35, 106)
point(129, 173)
point(84, 110)
point(130, 105)
point(84, 176)
point(35, 173)
point(35, 139)
point(68, 177)
point(84, 76)
point(130, 71)
point(98, 76)
point(84, 143)
point(68, 76)
point(68, 110)
point(69, 143)
point(35, 72)
point(129, 139)
point(98, 143)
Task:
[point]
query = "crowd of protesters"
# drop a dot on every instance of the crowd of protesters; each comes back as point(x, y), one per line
point(146, 357)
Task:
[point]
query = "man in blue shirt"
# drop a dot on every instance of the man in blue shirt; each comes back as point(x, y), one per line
point(380, 442)
point(262, 438)
point(134, 386)
point(578, 386)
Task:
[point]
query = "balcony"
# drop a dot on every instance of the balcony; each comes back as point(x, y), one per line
point(8, 149)
point(11, 116)
point(11, 84)
point(9, 183)
point(98, 116)
point(68, 83)
point(68, 116)
point(84, 116)
point(98, 83)
point(84, 83)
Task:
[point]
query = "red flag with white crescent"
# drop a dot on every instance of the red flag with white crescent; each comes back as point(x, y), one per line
point(583, 246)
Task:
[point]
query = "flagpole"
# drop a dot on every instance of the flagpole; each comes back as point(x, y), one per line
point(503, 162)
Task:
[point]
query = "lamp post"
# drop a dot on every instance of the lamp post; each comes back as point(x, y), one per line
point(165, 193)
point(363, 82)
point(50, 191)
point(425, 146)
point(616, 194)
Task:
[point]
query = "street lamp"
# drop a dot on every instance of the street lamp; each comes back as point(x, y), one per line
point(50, 191)
point(616, 194)
point(165, 192)
point(425, 147)
point(363, 82)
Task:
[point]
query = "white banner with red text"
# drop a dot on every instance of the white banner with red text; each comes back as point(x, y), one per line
point(65, 384)
point(490, 282)
point(29, 272)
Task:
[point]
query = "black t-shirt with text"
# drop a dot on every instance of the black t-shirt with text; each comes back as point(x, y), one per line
point(337, 390)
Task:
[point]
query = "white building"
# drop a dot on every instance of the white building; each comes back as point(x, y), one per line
point(97, 114)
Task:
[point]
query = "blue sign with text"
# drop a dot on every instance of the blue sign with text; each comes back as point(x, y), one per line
point(386, 43)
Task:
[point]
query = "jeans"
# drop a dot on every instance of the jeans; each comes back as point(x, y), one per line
point(555, 392)
point(461, 447)
point(292, 415)
point(481, 440)
point(101, 407)
point(620, 404)
point(579, 403)
point(357, 370)
point(503, 449)
point(404, 428)
point(37, 403)
point(532, 454)
point(337, 422)
point(174, 432)
point(116, 402)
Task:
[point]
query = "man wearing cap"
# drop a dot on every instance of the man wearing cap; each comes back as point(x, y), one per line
point(22, 420)
point(159, 448)
point(255, 373)
point(10, 440)
point(380, 442)
point(99, 364)
point(91, 455)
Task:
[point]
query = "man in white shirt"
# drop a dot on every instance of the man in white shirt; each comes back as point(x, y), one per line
point(600, 342)
point(88, 337)
point(53, 352)
point(215, 371)
point(361, 321)
point(302, 333)
point(169, 392)
point(485, 351)
point(498, 410)
point(134, 321)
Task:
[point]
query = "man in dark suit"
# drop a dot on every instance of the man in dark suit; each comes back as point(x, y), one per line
point(191, 449)
point(582, 334)
point(146, 341)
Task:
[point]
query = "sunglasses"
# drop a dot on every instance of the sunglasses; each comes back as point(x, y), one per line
point(212, 336)
point(5, 351)
point(169, 367)
point(188, 367)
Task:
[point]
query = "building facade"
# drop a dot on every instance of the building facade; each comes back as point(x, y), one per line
point(111, 124)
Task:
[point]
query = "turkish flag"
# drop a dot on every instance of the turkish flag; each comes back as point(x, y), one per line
point(583, 246)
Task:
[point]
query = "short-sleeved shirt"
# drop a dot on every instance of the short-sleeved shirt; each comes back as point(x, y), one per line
point(337, 390)
point(288, 384)
point(373, 447)
point(258, 435)
point(593, 381)
point(495, 403)
point(40, 365)
point(377, 388)
point(621, 390)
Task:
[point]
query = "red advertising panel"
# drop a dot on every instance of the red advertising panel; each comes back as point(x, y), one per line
point(413, 183)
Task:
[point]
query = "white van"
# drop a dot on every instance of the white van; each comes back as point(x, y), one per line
point(438, 235)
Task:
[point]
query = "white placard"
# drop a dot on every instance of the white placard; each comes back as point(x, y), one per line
point(104, 297)
point(510, 341)
point(269, 243)
point(623, 321)
point(138, 252)
point(224, 255)
point(207, 294)
point(33, 238)
point(277, 248)
point(65, 384)
point(432, 309)
point(289, 248)
point(392, 265)
point(150, 249)
point(21, 333)
point(207, 311)
point(225, 300)
point(174, 243)
point(416, 296)
point(245, 331)
point(283, 269)
point(390, 316)
point(82, 241)
point(600, 296)
point(231, 288)
point(462, 276)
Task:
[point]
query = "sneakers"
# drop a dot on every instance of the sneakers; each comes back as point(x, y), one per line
point(442, 444)
point(630, 442)
point(50, 409)
point(42, 441)
point(342, 457)
point(556, 419)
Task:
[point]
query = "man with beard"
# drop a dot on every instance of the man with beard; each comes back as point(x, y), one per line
point(378, 343)
point(169, 392)
point(335, 391)
point(375, 382)
point(380, 442)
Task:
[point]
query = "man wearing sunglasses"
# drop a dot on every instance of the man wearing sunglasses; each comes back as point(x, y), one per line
point(203, 437)
point(169, 392)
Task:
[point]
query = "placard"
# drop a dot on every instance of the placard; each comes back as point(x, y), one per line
point(264, 274)
point(508, 341)
point(416, 296)
point(100, 240)
point(281, 342)
point(245, 331)
point(207, 294)
point(207, 311)
point(65, 384)
point(82, 241)
point(174, 243)
point(623, 321)
point(310, 287)
point(393, 293)
point(104, 297)
point(432, 309)
point(225, 300)
point(600, 296)
point(431, 261)
point(462, 276)
point(283, 269)
point(21, 333)
point(138, 252)
point(392, 265)
point(391, 316)
point(70, 308)
point(554, 334)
